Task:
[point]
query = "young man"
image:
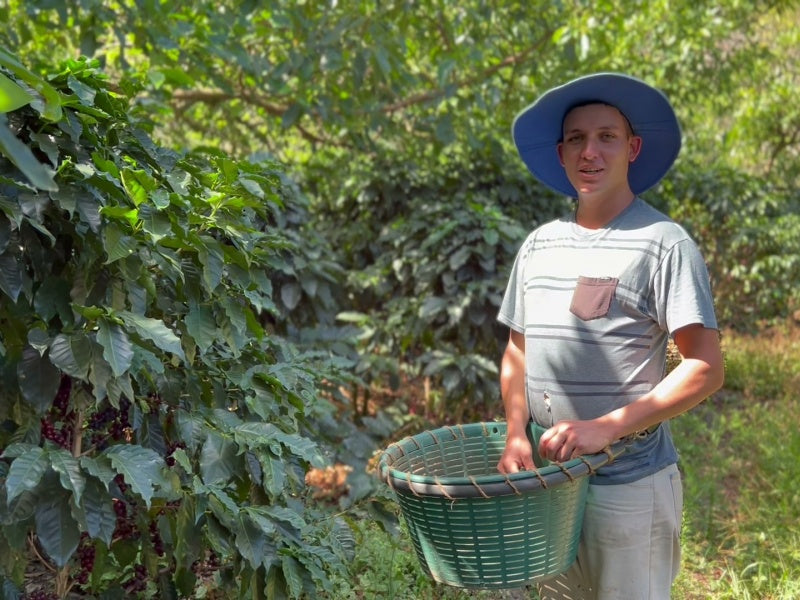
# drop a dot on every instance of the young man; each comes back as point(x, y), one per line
point(591, 302)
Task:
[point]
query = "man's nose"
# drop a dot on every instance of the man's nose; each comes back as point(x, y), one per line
point(589, 149)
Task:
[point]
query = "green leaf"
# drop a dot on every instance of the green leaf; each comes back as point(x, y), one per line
point(218, 460)
point(99, 468)
point(301, 446)
point(107, 166)
point(69, 472)
point(47, 145)
point(235, 313)
point(117, 349)
point(190, 427)
point(212, 262)
point(10, 276)
point(138, 184)
point(445, 132)
point(52, 108)
point(155, 331)
point(99, 376)
point(18, 153)
point(57, 530)
point(89, 210)
point(292, 571)
point(72, 354)
point(432, 306)
point(287, 515)
point(117, 387)
point(26, 472)
point(291, 293)
point(264, 521)
point(201, 326)
point(85, 93)
point(101, 521)
point(38, 379)
point(52, 298)
point(290, 116)
point(252, 186)
point(116, 243)
point(12, 96)
point(188, 539)
point(250, 540)
point(17, 449)
point(273, 473)
point(460, 257)
point(140, 467)
point(156, 223)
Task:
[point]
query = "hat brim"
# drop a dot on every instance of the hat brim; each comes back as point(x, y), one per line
point(537, 129)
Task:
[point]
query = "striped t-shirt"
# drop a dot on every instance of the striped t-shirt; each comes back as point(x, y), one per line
point(596, 307)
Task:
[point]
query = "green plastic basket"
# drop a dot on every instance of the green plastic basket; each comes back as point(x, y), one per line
point(473, 527)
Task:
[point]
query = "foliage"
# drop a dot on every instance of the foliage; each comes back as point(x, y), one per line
point(155, 421)
point(387, 567)
point(340, 91)
point(428, 256)
point(392, 118)
point(749, 233)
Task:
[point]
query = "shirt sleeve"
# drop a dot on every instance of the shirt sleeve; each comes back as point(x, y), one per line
point(512, 309)
point(682, 290)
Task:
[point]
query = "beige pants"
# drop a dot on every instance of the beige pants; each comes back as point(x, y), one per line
point(630, 544)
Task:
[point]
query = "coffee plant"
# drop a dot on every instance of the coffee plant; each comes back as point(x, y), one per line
point(156, 422)
point(428, 252)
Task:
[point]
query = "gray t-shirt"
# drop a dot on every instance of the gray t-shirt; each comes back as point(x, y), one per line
point(596, 308)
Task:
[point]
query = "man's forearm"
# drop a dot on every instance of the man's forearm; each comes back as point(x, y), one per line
point(512, 385)
point(699, 375)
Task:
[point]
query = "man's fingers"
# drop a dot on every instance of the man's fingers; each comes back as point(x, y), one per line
point(557, 445)
point(508, 466)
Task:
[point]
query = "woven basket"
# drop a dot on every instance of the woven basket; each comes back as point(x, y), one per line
point(473, 527)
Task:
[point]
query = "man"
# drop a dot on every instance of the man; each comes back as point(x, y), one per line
point(591, 302)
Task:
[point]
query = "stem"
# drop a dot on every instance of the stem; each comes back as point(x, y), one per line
point(42, 559)
point(63, 584)
point(77, 433)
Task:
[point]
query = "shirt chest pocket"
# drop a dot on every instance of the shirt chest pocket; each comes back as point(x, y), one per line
point(592, 297)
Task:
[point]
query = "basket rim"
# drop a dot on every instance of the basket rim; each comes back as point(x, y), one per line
point(453, 487)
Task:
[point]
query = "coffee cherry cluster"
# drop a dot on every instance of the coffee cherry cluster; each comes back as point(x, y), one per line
point(206, 568)
point(125, 528)
point(138, 581)
point(56, 425)
point(40, 595)
point(109, 423)
point(58, 436)
point(155, 538)
point(86, 555)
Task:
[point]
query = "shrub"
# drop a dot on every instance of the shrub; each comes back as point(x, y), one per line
point(155, 424)
point(428, 248)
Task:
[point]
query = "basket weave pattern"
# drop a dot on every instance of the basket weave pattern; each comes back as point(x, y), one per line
point(473, 527)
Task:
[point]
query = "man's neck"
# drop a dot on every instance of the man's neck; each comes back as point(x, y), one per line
point(595, 213)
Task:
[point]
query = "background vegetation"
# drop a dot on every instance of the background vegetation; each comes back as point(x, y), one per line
point(244, 244)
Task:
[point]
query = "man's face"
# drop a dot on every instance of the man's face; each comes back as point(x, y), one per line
point(596, 150)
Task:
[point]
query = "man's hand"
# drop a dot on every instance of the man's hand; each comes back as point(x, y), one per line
point(517, 456)
point(567, 439)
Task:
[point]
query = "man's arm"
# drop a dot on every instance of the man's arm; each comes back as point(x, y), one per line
point(699, 374)
point(518, 453)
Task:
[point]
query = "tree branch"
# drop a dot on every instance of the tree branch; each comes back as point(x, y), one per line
point(508, 61)
point(214, 97)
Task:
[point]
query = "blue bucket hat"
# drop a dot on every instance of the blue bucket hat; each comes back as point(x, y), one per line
point(537, 130)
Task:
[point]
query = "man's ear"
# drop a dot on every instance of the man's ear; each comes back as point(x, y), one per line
point(560, 149)
point(634, 147)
